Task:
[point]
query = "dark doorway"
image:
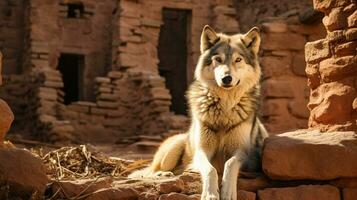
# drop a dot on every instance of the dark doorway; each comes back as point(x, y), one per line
point(71, 68)
point(75, 10)
point(172, 52)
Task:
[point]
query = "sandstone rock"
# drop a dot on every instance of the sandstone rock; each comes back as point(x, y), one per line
point(335, 20)
point(335, 36)
point(325, 5)
point(170, 186)
point(279, 41)
point(275, 27)
point(74, 188)
point(298, 108)
point(345, 183)
point(351, 34)
point(148, 196)
point(352, 19)
point(349, 193)
point(304, 192)
point(274, 107)
point(298, 66)
point(307, 154)
point(273, 66)
point(178, 196)
point(277, 88)
point(22, 172)
point(335, 69)
point(253, 184)
point(244, 195)
point(6, 118)
point(317, 51)
point(114, 194)
point(312, 72)
point(331, 103)
point(349, 48)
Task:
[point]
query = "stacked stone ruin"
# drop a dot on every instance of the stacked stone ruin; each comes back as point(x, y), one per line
point(125, 40)
point(332, 69)
point(119, 41)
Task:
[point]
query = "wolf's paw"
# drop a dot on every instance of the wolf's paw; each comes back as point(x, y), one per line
point(210, 196)
point(162, 174)
point(228, 192)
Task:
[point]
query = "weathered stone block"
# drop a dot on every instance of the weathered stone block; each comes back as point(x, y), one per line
point(313, 74)
point(310, 154)
point(283, 41)
point(336, 20)
point(275, 27)
point(349, 193)
point(326, 5)
point(317, 51)
point(334, 69)
point(331, 103)
point(352, 19)
point(349, 48)
point(245, 195)
point(304, 192)
point(24, 173)
point(6, 119)
point(273, 66)
point(299, 64)
point(178, 196)
point(351, 34)
point(277, 88)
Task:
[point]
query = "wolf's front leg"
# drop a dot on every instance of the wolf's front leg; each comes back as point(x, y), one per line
point(230, 176)
point(209, 175)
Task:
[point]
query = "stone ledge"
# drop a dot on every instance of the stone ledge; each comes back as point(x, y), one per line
point(310, 154)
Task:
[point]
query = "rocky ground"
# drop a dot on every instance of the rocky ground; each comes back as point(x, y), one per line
point(299, 165)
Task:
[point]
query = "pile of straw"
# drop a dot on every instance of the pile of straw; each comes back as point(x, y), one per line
point(70, 163)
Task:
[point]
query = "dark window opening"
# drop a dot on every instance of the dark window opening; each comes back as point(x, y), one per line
point(172, 52)
point(75, 10)
point(71, 68)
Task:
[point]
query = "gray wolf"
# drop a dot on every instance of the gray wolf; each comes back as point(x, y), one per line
point(225, 135)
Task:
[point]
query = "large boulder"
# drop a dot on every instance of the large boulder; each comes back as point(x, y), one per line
point(6, 118)
point(310, 154)
point(23, 174)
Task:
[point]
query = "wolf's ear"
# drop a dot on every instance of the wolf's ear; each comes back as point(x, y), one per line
point(208, 38)
point(252, 39)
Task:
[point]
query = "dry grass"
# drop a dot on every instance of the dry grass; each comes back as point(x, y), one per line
point(71, 163)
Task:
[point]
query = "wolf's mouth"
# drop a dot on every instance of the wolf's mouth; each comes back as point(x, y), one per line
point(230, 86)
point(238, 82)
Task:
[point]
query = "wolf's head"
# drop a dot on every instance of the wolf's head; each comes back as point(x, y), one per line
point(228, 62)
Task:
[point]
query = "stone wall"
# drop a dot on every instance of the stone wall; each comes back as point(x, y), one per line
point(12, 26)
point(52, 32)
point(123, 36)
point(331, 69)
point(139, 30)
point(122, 43)
point(285, 93)
point(127, 104)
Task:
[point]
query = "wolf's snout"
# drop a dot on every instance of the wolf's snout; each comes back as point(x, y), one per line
point(227, 80)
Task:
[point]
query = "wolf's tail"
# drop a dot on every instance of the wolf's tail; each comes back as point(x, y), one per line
point(166, 158)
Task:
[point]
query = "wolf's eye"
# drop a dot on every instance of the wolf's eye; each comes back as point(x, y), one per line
point(238, 60)
point(218, 59)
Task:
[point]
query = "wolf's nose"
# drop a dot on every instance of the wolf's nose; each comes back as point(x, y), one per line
point(227, 79)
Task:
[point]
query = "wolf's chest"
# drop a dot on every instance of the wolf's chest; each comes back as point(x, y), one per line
point(221, 115)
